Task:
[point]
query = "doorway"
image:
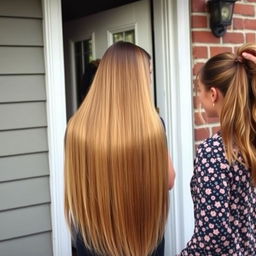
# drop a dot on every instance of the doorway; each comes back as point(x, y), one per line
point(87, 38)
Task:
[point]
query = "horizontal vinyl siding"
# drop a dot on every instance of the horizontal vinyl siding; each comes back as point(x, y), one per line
point(22, 193)
point(21, 8)
point(21, 32)
point(21, 60)
point(33, 245)
point(24, 221)
point(17, 88)
point(23, 166)
point(23, 115)
point(25, 212)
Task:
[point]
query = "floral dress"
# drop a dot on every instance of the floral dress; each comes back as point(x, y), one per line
point(224, 205)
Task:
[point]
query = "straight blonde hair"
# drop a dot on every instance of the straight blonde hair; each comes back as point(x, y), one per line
point(116, 159)
point(235, 77)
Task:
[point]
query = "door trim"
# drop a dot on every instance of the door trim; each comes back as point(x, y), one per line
point(56, 119)
point(174, 98)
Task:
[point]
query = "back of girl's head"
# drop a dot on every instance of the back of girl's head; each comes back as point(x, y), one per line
point(116, 159)
point(235, 77)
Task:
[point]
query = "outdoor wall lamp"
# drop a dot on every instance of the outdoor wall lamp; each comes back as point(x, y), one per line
point(221, 12)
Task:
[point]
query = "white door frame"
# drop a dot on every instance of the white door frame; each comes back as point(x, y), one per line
point(174, 98)
point(56, 119)
point(173, 69)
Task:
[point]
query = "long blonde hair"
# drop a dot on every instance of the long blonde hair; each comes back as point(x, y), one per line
point(235, 77)
point(116, 159)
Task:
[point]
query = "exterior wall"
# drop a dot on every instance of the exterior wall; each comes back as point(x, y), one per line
point(206, 45)
point(25, 217)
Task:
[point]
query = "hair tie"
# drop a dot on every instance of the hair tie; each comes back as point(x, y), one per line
point(239, 59)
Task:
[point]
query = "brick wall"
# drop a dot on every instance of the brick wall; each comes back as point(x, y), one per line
point(205, 45)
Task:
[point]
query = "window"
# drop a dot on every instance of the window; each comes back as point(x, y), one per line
point(127, 36)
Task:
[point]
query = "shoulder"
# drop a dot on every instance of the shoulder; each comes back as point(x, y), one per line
point(211, 146)
point(211, 153)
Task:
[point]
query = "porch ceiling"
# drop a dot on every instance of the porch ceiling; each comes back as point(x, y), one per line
point(79, 8)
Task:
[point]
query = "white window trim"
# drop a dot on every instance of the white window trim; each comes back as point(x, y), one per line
point(174, 98)
point(56, 117)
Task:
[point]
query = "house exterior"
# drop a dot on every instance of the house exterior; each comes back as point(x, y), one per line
point(33, 114)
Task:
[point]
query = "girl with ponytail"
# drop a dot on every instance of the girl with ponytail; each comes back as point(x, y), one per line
point(223, 185)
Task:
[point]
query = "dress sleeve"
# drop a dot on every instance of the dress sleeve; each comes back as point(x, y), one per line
point(211, 193)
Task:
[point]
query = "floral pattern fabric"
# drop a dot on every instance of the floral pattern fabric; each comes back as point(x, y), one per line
point(224, 205)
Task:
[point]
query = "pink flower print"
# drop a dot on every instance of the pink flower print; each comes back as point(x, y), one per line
point(204, 161)
point(206, 219)
point(203, 200)
point(216, 143)
point(236, 168)
point(216, 232)
point(223, 176)
point(213, 213)
point(200, 223)
point(213, 198)
point(223, 166)
point(211, 225)
point(226, 243)
point(207, 238)
point(202, 213)
point(233, 206)
point(218, 250)
point(210, 170)
point(201, 245)
point(208, 191)
point(208, 207)
point(213, 160)
point(217, 204)
point(206, 178)
point(208, 149)
point(222, 191)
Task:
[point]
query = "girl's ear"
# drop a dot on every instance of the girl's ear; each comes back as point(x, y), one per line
point(214, 93)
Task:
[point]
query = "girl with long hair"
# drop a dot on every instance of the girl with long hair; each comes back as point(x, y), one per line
point(223, 185)
point(117, 169)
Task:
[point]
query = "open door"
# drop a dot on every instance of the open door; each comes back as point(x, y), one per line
point(86, 39)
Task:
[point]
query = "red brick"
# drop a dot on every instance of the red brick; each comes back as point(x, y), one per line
point(244, 9)
point(200, 52)
point(250, 37)
point(254, 1)
point(238, 23)
point(201, 118)
point(217, 50)
point(197, 67)
point(199, 21)
point(197, 104)
point(198, 5)
point(204, 37)
point(250, 24)
point(201, 133)
point(215, 129)
point(234, 38)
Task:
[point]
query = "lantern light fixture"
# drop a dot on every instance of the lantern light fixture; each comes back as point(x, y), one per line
point(221, 12)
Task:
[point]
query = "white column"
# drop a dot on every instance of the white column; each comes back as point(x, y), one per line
point(56, 116)
point(174, 98)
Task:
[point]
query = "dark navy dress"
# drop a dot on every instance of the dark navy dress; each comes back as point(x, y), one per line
point(224, 205)
point(83, 251)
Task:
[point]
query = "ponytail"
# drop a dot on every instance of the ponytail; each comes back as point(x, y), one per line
point(235, 77)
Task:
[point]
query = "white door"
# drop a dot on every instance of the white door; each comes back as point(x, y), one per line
point(87, 39)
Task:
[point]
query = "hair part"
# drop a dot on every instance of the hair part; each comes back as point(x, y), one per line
point(116, 159)
point(235, 77)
